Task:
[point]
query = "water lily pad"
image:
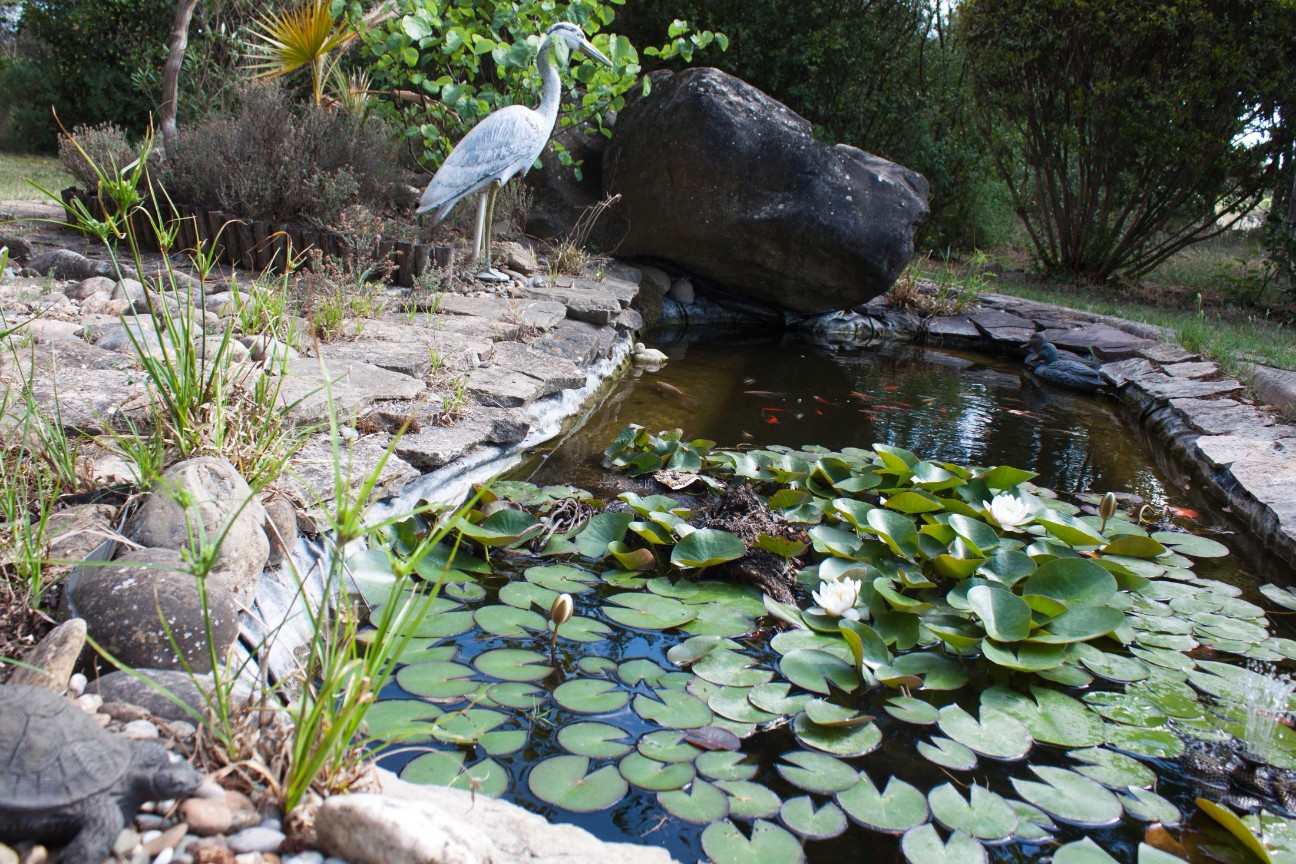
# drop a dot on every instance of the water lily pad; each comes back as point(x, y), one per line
point(1111, 769)
point(816, 772)
point(567, 782)
point(403, 720)
point(465, 591)
point(509, 621)
point(995, 734)
point(597, 667)
point(1068, 675)
point(1147, 806)
point(675, 710)
point(524, 595)
point(947, 753)
point(633, 671)
point(700, 803)
point(438, 680)
point(804, 819)
point(590, 696)
point(434, 768)
point(897, 808)
point(706, 547)
point(938, 671)
point(1127, 708)
point(984, 815)
point(731, 702)
point(1003, 614)
point(648, 611)
point(923, 845)
point(595, 740)
point(442, 625)
point(748, 800)
point(667, 745)
point(467, 727)
point(581, 629)
point(769, 844)
point(1070, 797)
point(726, 766)
point(907, 709)
point(719, 620)
point(1084, 851)
point(774, 698)
point(599, 531)
point(512, 664)
point(716, 737)
point(730, 669)
point(815, 670)
point(848, 741)
point(825, 713)
point(1113, 667)
point(695, 648)
point(1153, 743)
point(653, 775)
point(1191, 545)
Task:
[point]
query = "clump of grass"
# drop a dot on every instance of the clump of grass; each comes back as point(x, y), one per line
point(338, 288)
point(571, 256)
point(933, 291)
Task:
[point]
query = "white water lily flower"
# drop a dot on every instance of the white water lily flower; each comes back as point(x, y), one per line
point(837, 598)
point(1009, 511)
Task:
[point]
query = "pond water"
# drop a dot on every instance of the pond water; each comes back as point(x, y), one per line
point(482, 663)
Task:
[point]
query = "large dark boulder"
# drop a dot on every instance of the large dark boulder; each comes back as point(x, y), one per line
point(731, 185)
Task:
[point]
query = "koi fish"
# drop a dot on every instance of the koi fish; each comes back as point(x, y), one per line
point(768, 394)
point(855, 394)
point(1184, 512)
point(771, 419)
point(890, 387)
point(676, 393)
point(824, 401)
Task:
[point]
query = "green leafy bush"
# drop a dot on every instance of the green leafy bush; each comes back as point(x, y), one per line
point(104, 146)
point(453, 63)
point(284, 162)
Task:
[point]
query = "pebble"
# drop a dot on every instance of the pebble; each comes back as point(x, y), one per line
point(163, 840)
point(140, 730)
point(77, 684)
point(148, 836)
point(9, 856)
point(260, 839)
point(127, 840)
point(249, 858)
point(90, 702)
point(210, 789)
point(35, 855)
point(309, 857)
point(165, 856)
point(210, 816)
point(182, 730)
point(151, 822)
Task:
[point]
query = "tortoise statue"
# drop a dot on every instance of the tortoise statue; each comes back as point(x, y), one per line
point(64, 779)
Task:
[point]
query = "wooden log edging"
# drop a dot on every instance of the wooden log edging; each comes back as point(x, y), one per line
point(256, 245)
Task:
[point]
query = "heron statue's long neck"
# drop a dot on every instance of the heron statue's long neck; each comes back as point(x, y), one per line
point(551, 87)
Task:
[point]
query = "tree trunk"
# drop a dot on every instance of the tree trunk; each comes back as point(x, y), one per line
point(179, 40)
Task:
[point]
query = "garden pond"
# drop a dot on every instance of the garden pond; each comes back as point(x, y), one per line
point(962, 660)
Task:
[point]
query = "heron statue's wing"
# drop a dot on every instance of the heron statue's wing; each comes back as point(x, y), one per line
point(506, 142)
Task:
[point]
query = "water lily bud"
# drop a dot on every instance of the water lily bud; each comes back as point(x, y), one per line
point(1107, 508)
point(561, 610)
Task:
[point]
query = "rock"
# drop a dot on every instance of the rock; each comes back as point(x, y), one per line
point(78, 383)
point(66, 264)
point(554, 373)
point(354, 385)
point(515, 256)
point(208, 817)
point(310, 473)
point(534, 314)
point(132, 291)
point(578, 341)
point(561, 198)
point(220, 503)
point(258, 839)
point(1277, 387)
point(126, 602)
point(1190, 370)
point(374, 829)
point(585, 299)
point(681, 291)
point(50, 663)
point(280, 528)
point(269, 350)
point(76, 532)
point(731, 185)
point(89, 287)
point(491, 385)
point(168, 839)
point(7, 855)
point(19, 249)
point(141, 730)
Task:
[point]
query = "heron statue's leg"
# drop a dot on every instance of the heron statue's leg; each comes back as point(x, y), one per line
point(481, 229)
point(492, 191)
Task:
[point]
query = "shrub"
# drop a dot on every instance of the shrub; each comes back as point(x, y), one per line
point(272, 159)
point(102, 145)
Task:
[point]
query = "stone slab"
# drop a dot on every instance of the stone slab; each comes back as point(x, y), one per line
point(953, 326)
point(578, 341)
point(354, 385)
point(1165, 387)
point(1106, 343)
point(555, 373)
point(1124, 371)
point(503, 388)
point(1275, 386)
point(535, 313)
point(1190, 370)
point(1164, 352)
point(585, 300)
point(435, 446)
point(1221, 416)
point(310, 473)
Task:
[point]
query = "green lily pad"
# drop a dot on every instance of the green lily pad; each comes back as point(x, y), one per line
point(748, 800)
point(599, 531)
point(815, 670)
point(723, 843)
point(509, 621)
point(1005, 616)
point(1153, 743)
point(633, 671)
point(434, 768)
point(1129, 709)
point(442, 625)
point(438, 680)
point(938, 671)
point(1084, 851)
point(465, 591)
point(1113, 667)
point(1147, 806)
point(512, 664)
point(653, 775)
point(1070, 797)
point(774, 698)
point(1191, 545)
point(511, 694)
point(590, 696)
point(907, 709)
point(706, 547)
point(598, 667)
point(996, 734)
point(695, 648)
point(402, 720)
point(700, 803)
point(467, 727)
point(984, 815)
point(667, 745)
point(1068, 675)
point(897, 808)
point(581, 629)
point(648, 611)
point(722, 765)
point(847, 741)
point(816, 772)
point(561, 578)
point(1113, 770)
point(825, 713)
point(947, 753)
point(730, 669)
point(719, 620)
point(811, 823)
point(503, 743)
point(732, 703)
point(595, 740)
point(567, 782)
point(675, 710)
point(524, 595)
point(923, 845)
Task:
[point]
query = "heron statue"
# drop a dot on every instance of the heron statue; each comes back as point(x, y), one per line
point(507, 141)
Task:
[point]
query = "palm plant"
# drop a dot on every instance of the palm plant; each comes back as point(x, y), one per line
point(285, 40)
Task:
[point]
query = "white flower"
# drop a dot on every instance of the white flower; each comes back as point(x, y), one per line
point(1009, 511)
point(837, 598)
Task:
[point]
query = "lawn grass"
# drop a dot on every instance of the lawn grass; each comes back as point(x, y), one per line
point(17, 169)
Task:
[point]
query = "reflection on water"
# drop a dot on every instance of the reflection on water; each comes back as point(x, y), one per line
point(941, 404)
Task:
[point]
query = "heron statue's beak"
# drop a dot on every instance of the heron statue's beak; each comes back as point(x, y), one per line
point(587, 48)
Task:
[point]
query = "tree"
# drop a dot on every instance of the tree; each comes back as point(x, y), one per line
point(179, 40)
point(1127, 131)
